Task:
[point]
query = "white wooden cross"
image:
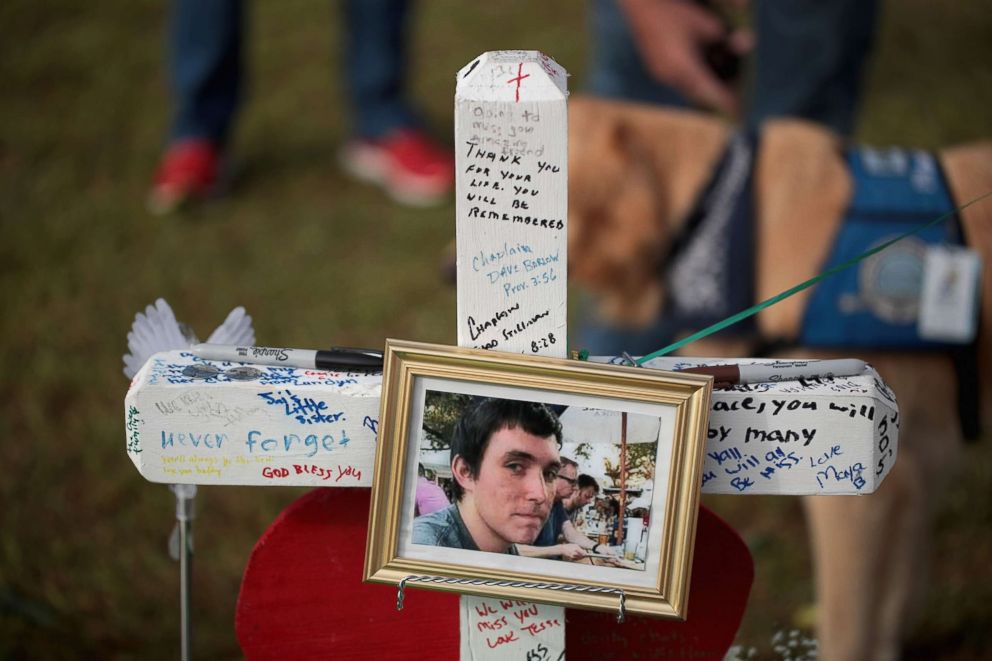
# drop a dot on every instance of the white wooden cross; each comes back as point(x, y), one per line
point(511, 159)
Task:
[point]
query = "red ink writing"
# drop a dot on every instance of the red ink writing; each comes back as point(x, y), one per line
point(348, 470)
point(494, 625)
point(313, 469)
point(501, 640)
point(519, 79)
point(538, 627)
point(525, 613)
point(485, 609)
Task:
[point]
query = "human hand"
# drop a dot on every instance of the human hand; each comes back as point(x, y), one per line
point(607, 555)
point(572, 552)
point(610, 551)
point(672, 36)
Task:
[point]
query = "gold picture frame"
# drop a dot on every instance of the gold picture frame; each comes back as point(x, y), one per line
point(417, 373)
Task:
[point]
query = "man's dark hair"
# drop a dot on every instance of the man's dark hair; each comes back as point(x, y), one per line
point(584, 481)
point(479, 423)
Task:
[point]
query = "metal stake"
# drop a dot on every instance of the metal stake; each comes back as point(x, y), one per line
point(185, 513)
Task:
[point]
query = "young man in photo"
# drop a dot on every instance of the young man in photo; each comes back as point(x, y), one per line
point(504, 461)
point(586, 490)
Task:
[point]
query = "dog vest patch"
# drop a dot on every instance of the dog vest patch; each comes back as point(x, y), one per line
point(876, 302)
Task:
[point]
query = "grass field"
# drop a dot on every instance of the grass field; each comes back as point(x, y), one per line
point(316, 259)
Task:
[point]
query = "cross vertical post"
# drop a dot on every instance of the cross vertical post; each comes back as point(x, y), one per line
point(511, 143)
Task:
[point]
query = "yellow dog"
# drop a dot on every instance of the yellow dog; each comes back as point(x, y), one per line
point(635, 173)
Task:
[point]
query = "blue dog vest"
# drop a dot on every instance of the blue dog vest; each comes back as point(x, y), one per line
point(875, 303)
point(872, 304)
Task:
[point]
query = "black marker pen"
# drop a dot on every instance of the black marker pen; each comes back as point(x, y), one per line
point(335, 358)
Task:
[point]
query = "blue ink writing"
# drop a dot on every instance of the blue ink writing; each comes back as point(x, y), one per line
point(309, 445)
point(742, 483)
point(852, 473)
point(371, 423)
point(835, 451)
point(306, 410)
point(208, 441)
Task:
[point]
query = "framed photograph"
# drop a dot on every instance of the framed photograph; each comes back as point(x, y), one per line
point(571, 480)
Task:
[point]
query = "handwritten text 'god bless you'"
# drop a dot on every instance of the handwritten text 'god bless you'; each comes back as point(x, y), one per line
point(276, 472)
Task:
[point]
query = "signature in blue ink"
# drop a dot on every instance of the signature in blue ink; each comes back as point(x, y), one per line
point(852, 473)
point(306, 410)
point(371, 423)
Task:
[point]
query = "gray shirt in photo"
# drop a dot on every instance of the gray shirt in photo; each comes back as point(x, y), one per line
point(446, 528)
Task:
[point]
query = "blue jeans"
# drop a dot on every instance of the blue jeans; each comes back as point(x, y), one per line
point(205, 66)
point(809, 62)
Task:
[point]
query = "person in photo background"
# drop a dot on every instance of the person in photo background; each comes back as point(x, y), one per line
point(559, 539)
point(430, 497)
point(504, 461)
point(586, 490)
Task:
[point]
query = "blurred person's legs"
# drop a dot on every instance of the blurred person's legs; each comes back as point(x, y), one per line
point(375, 66)
point(205, 68)
point(390, 146)
point(810, 60)
point(204, 62)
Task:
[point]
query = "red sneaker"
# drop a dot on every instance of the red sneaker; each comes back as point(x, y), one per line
point(189, 169)
point(407, 164)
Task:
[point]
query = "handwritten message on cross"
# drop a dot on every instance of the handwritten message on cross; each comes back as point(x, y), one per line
point(511, 145)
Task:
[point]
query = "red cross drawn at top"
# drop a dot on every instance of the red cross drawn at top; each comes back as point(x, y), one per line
point(519, 79)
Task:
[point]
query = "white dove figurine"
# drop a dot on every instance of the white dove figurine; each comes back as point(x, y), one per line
point(157, 330)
